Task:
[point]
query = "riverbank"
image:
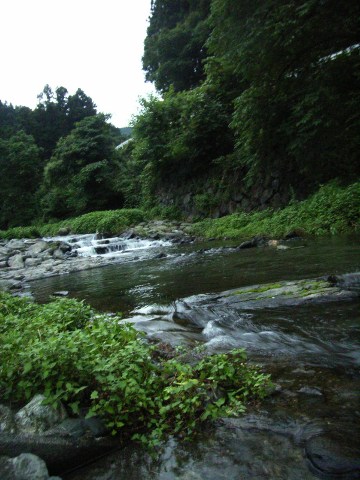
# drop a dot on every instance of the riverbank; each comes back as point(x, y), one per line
point(333, 210)
point(92, 365)
point(60, 356)
point(24, 260)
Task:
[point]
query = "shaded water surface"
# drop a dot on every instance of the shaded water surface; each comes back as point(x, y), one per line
point(310, 428)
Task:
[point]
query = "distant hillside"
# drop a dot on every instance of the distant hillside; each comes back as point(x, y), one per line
point(126, 131)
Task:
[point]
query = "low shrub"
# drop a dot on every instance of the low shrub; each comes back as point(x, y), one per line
point(70, 354)
point(108, 221)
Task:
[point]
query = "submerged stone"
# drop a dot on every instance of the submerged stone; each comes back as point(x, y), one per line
point(335, 455)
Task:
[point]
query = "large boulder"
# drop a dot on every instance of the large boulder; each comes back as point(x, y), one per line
point(7, 420)
point(58, 254)
point(24, 467)
point(38, 247)
point(64, 231)
point(36, 417)
point(32, 262)
point(16, 261)
point(16, 244)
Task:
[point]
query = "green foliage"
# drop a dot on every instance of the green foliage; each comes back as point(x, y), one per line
point(56, 114)
point(179, 137)
point(65, 351)
point(164, 212)
point(332, 210)
point(21, 169)
point(297, 95)
point(110, 221)
point(80, 175)
point(174, 48)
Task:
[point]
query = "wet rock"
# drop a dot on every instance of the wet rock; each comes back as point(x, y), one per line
point(16, 244)
point(65, 247)
point(38, 247)
point(101, 250)
point(16, 261)
point(58, 254)
point(161, 255)
point(64, 231)
point(129, 235)
point(3, 264)
point(293, 234)
point(19, 277)
point(273, 243)
point(313, 391)
point(24, 467)
point(78, 427)
point(16, 286)
point(32, 262)
point(61, 293)
point(7, 420)
point(5, 285)
point(335, 455)
point(4, 252)
point(36, 417)
point(247, 244)
point(257, 241)
point(282, 247)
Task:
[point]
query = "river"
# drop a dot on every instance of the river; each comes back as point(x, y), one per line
point(310, 427)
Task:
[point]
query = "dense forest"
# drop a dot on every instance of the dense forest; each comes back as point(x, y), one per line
point(258, 104)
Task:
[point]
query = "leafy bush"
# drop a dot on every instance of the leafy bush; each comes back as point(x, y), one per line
point(164, 212)
point(65, 351)
point(332, 210)
point(108, 221)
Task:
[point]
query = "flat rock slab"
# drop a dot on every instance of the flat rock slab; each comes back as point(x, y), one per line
point(279, 294)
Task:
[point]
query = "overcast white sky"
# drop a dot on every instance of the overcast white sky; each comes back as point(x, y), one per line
point(95, 45)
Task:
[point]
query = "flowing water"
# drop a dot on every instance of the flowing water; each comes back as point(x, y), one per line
point(310, 428)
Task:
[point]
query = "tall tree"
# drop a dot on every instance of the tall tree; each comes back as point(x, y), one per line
point(174, 48)
point(81, 173)
point(297, 70)
point(56, 114)
point(21, 172)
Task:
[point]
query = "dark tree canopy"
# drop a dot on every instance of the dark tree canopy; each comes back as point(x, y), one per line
point(56, 114)
point(80, 175)
point(174, 48)
point(21, 172)
point(297, 69)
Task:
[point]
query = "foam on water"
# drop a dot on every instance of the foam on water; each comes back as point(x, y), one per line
point(89, 245)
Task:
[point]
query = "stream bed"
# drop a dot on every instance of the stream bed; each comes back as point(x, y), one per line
point(310, 427)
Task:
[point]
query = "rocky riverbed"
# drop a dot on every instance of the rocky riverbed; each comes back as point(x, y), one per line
point(24, 260)
point(304, 331)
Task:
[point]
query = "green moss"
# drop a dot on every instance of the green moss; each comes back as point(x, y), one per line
point(303, 288)
point(263, 288)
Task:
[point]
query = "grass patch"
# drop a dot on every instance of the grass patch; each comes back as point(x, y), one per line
point(109, 221)
point(70, 354)
point(332, 210)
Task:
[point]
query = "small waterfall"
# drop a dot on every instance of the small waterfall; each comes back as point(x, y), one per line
point(90, 245)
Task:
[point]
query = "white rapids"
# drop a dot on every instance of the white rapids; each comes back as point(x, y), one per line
point(89, 245)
